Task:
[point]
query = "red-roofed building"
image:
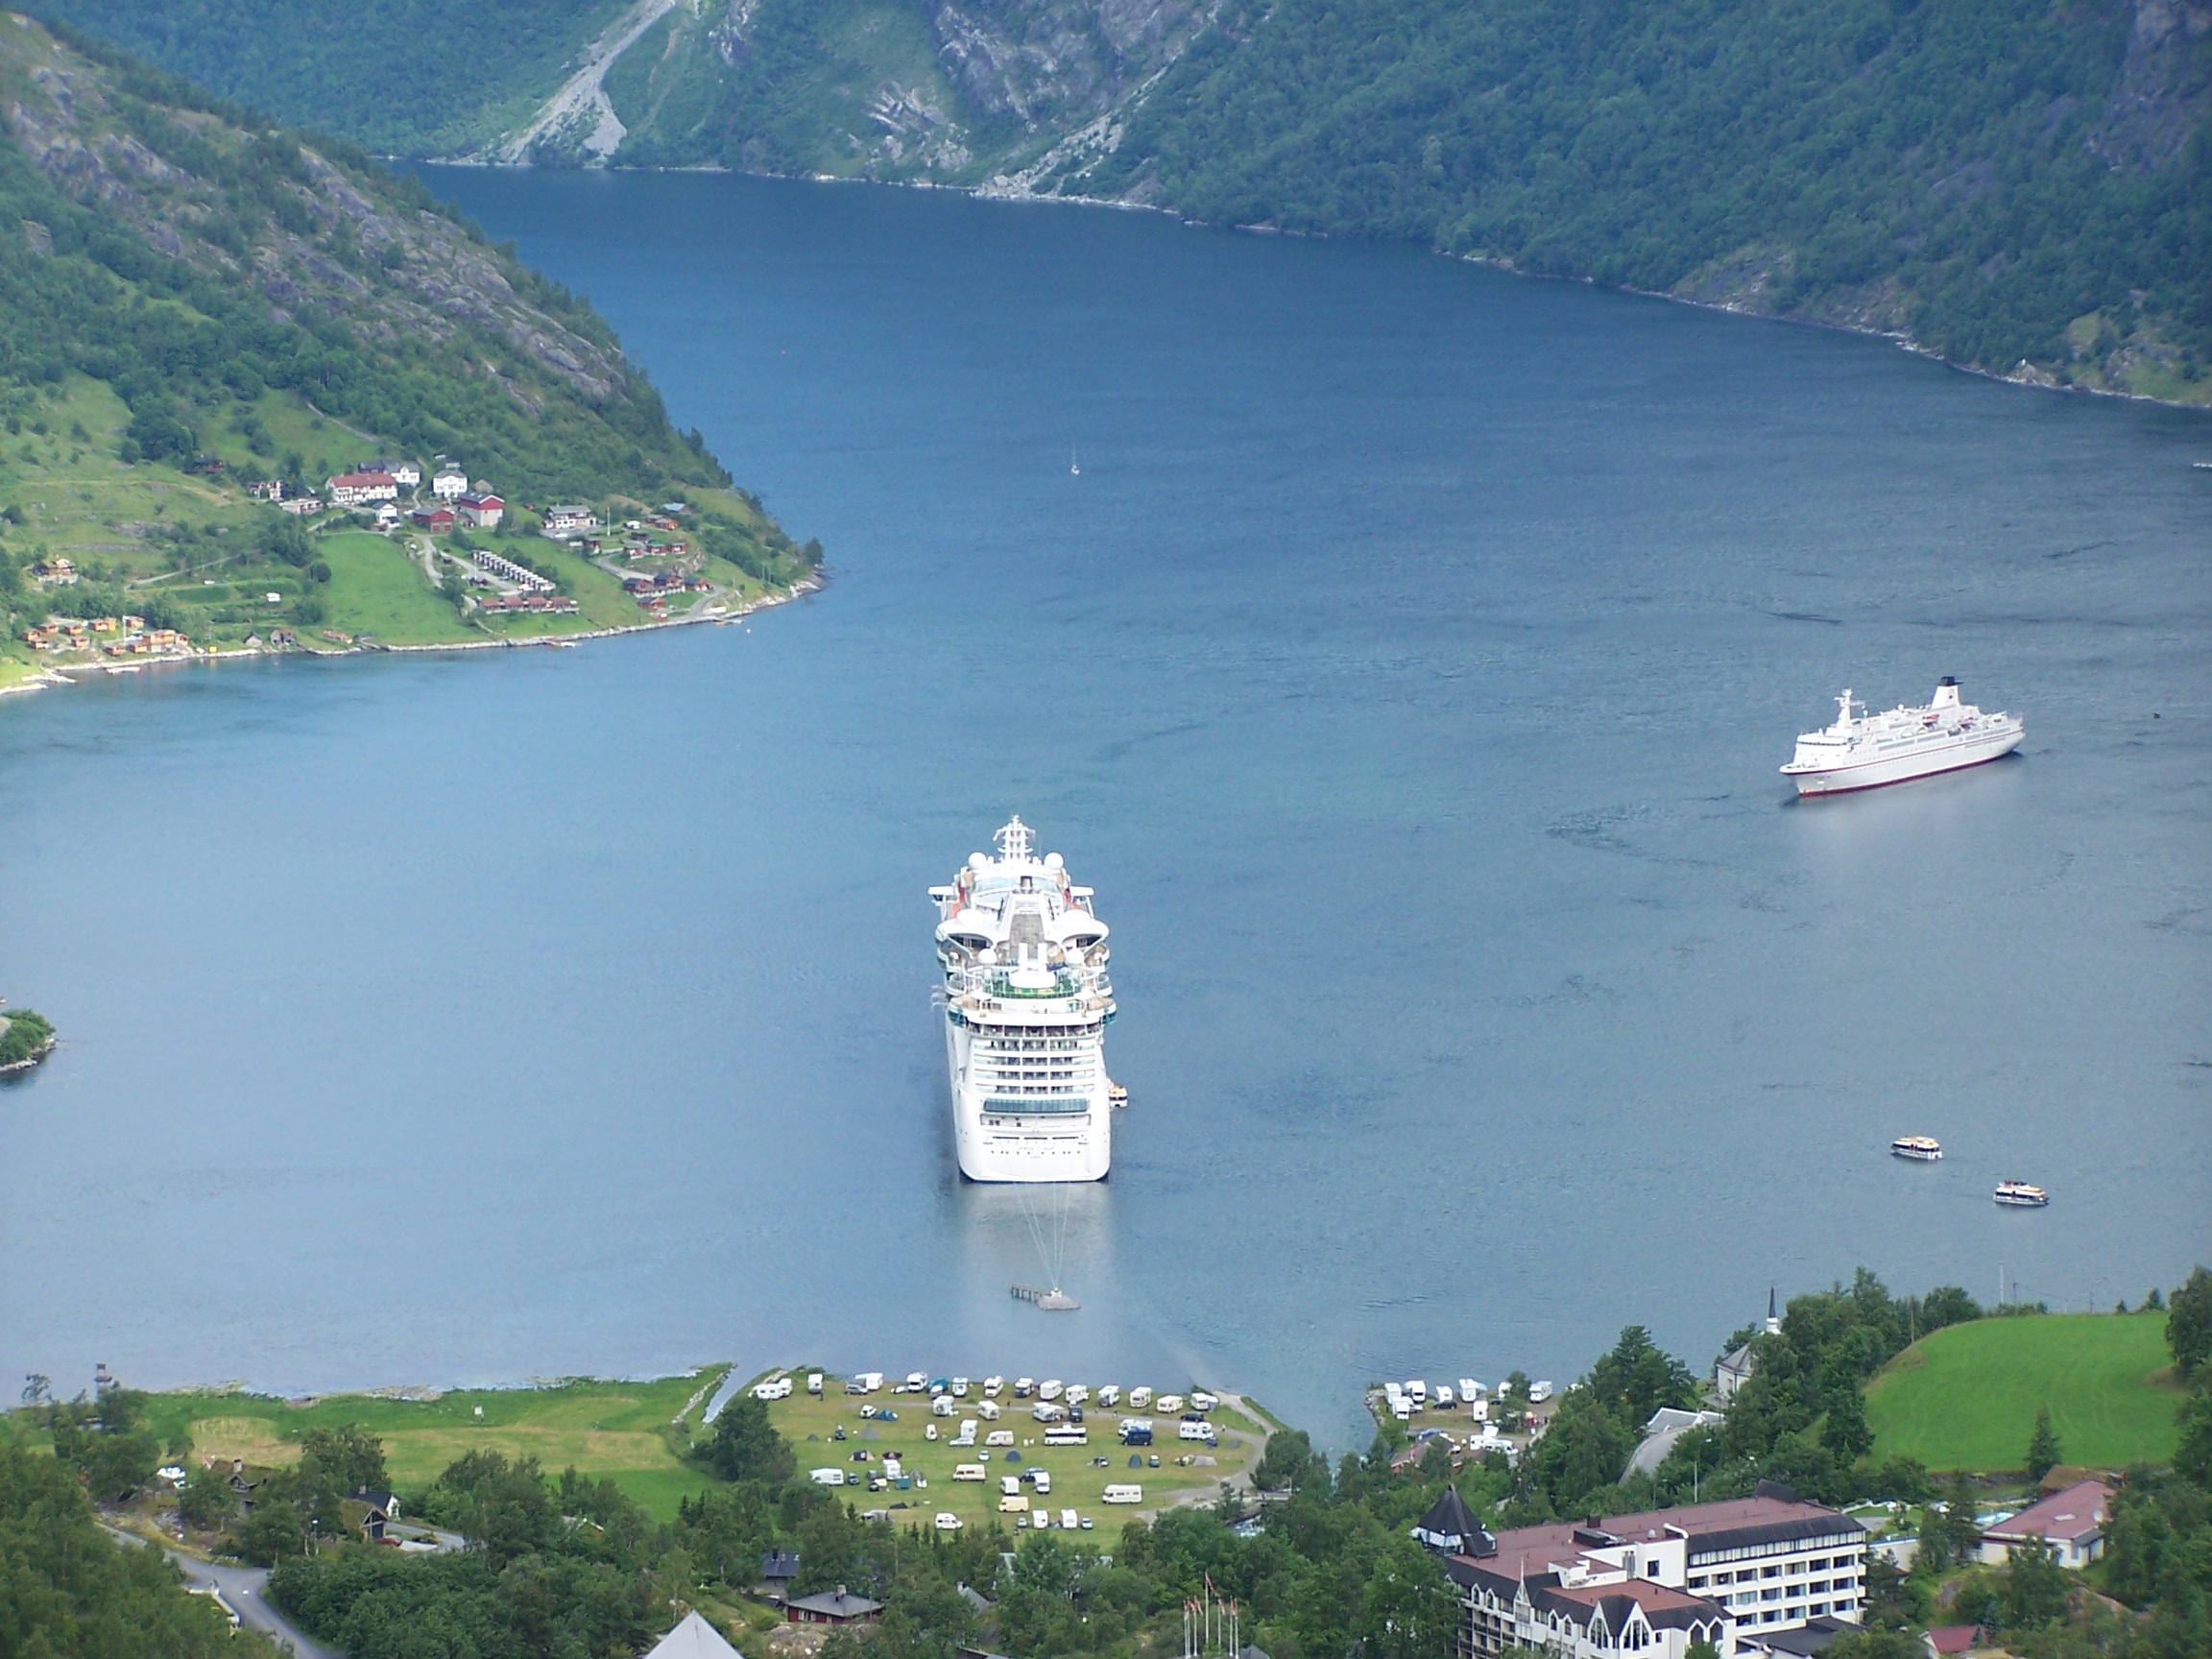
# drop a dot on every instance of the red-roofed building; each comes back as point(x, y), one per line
point(483, 511)
point(1949, 1641)
point(362, 489)
point(2071, 1522)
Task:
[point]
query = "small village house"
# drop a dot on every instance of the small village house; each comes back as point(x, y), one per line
point(438, 520)
point(692, 1639)
point(55, 572)
point(268, 489)
point(448, 482)
point(2071, 1522)
point(838, 1606)
point(566, 521)
point(479, 509)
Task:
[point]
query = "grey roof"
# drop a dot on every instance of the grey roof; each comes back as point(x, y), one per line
point(1450, 1524)
point(780, 1563)
point(1804, 1641)
point(1820, 1523)
point(838, 1603)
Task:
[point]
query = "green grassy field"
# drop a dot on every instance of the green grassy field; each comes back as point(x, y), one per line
point(377, 589)
point(1966, 1396)
point(625, 1430)
point(1077, 1482)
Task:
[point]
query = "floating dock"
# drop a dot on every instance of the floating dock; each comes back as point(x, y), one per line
point(1052, 1301)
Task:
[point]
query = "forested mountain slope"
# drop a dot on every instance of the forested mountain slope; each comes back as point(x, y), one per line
point(402, 77)
point(2019, 186)
point(192, 259)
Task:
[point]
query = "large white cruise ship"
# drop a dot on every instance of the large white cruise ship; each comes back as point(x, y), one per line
point(1864, 751)
point(1027, 1004)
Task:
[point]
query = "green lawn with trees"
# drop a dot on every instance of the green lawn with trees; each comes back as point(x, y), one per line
point(1968, 1397)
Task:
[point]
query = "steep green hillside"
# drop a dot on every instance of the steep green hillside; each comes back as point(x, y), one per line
point(188, 295)
point(2019, 186)
point(2002, 179)
point(406, 77)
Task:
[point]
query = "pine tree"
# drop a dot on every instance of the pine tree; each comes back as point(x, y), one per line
point(2043, 1451)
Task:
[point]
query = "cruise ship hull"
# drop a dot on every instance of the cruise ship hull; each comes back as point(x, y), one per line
point(1847, 775)
point(1002, 1138)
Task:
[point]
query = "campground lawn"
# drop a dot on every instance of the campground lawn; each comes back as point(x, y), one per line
point(1078, 1480)
point(1966, 1396)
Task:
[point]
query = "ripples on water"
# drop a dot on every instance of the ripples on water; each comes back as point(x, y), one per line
point(1408, 669)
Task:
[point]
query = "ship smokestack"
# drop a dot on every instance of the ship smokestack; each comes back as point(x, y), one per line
point(1946, 693)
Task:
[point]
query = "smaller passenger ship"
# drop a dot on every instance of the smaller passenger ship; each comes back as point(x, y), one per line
point(2022, 1194)
point(1862, 751)
point(1920, 1148)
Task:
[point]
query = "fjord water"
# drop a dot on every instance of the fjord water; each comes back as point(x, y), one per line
point(1408, 669)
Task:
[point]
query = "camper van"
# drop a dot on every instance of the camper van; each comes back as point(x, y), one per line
point(1201, 1401)
point(1199, 1430)
point(1135, 1431)
point(1120, 1494)
point(1418, 1391)
point(959, 1387)
point(1024, 1387)
point(1170, 1404)
point(1110, 1396)
point(1539, 1392)
point(1077, 1394)
point(1139, 1398)
point(1470, 1390)
point(1041, 1480)
point(1009, 1485)
point(1069, 1521)
point(987, 1410)
point(970, 1471)
point(1444, 1394)
point(1045, 1411)
point(966, 1434)
point(1016, 1504)
point(942, 1406)
point(813, 1382)
point(992, 1386)
point(1049, 1389)
point(826, 1476)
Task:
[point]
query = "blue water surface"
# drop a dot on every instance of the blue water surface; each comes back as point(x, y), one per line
point(1408, 669)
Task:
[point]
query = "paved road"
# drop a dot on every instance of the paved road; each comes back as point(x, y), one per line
point(245, 1588)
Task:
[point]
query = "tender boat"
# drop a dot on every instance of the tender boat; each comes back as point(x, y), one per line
point(1116, 1096)
point(2021, 1194)
point(1921, 1148)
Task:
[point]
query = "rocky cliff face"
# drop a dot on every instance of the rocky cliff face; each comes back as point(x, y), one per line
point(949, 90)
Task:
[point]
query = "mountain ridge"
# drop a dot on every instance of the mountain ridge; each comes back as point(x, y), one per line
point(2015, 188)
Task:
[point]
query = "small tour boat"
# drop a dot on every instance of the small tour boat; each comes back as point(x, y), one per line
point(2021, 1194)
point(1117, 1095)
point(1921, 1148)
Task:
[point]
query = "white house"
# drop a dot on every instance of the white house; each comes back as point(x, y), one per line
point(448, 482)
point(570, 521)
point(404, 473)
point(1734, 1369)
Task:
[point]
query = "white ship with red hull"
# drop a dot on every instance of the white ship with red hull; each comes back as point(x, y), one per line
point(1864, 751)
point(1026, 1002)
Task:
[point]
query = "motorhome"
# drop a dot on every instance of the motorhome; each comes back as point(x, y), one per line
point(987, 1409)
point(1069, 1521)
point(991, 1385)
point(1017, 1504)
point(943, 1406)
point(826, 1476)
point(970, 1471)
point(1200, 1400)
point(1077, 1394)
point(1110, 1395)
point(1199, 1430)
point(813, 1382)
point(1045, 1411)
point(1539, 1392)
point(1136, 1432)
point(1024, 1387)
point(1139, 1398)
point(1121, 1494)
point(1009, 1485)
point(1041, 1480)
point(1170, 1404)
point(1049, 1389)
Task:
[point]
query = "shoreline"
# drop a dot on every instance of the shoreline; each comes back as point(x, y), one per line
point(51, 677)
point(2026, 377)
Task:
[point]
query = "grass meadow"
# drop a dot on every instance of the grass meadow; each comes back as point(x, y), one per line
point(1966, 1396)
